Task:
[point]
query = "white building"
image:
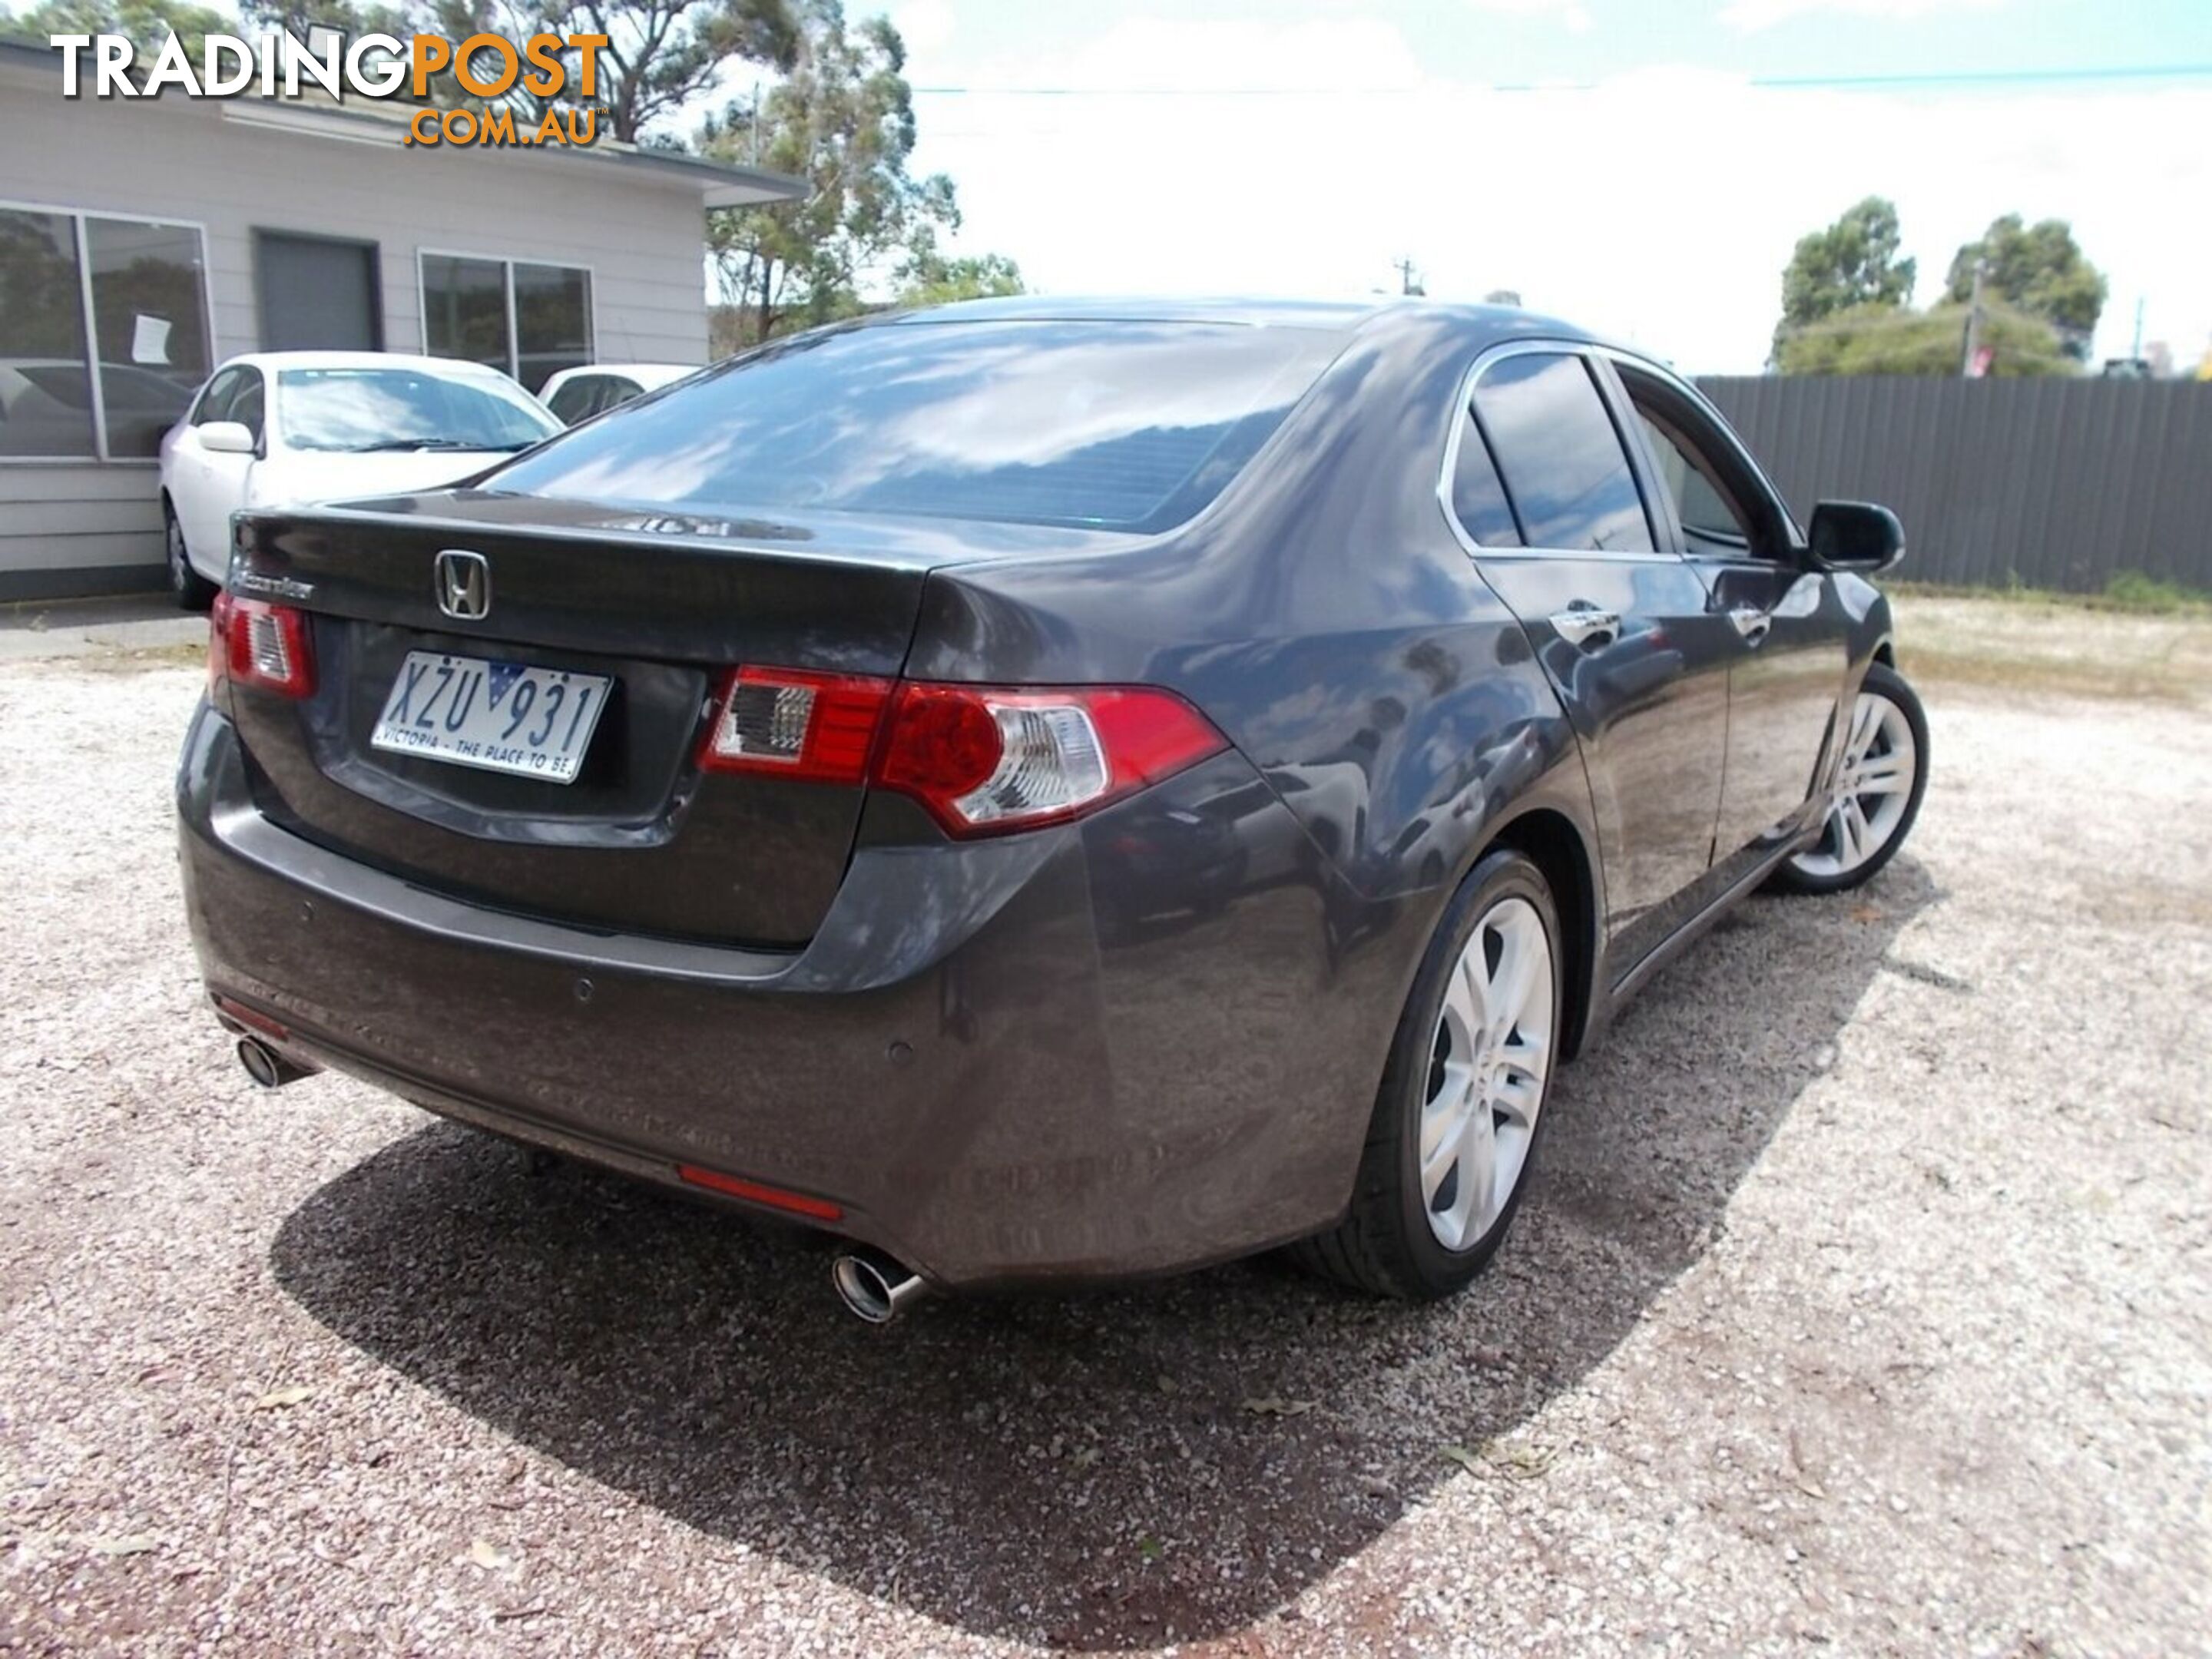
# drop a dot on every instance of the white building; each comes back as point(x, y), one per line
point(176, 233)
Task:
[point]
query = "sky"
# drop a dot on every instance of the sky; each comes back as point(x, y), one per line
point(1631, 165)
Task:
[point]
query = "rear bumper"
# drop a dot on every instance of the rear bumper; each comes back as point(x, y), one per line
point(1013, 1060)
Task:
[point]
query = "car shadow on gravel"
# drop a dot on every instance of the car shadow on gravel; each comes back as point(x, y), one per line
point(1171, 1461)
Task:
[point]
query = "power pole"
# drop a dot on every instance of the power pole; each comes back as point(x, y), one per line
point(1407, 283)
point(2135, 350)
point(1973, 322)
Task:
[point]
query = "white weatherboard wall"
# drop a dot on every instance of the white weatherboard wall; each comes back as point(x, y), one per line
point(641, 238)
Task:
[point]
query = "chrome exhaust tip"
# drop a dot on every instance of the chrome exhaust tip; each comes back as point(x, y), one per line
point(873, 1287)
point(265, 1065)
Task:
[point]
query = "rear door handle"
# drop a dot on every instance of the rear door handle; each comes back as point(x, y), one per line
point(1587, 625)
point(1750, 623)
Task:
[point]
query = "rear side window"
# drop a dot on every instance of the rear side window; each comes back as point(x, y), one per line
point(1123, 425)
point(1561, 460)
point(1478, 495)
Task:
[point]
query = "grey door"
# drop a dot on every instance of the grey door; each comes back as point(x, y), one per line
point(1619, 624)
point(317, 293)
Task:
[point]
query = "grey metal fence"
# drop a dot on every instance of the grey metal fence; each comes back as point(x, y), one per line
point(2046, 482)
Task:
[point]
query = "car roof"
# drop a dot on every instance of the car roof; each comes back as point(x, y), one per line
point(358, 360)
point(1340, 316)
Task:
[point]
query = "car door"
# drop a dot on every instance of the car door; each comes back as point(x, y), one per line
point(195, 480)
point(1790, 640)
point(1545, 495)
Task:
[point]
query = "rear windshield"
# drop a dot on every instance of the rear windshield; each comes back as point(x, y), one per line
point(1118, 425)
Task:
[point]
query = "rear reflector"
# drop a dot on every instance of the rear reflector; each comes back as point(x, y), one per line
point(250, 1018)
point(252, 642)
point(775, 1198)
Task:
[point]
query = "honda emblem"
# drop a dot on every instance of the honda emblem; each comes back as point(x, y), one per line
point(463, 584)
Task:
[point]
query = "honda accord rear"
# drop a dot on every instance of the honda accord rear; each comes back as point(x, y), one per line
point(1036, 790)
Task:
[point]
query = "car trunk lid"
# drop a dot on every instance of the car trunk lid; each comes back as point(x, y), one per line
point(660, 608)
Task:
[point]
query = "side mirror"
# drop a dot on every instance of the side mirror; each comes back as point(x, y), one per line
point(1855, 536)
point(228, 437)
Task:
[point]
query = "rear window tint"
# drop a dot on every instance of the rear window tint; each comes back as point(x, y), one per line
point(1116, 425)
point(1478, 495)
point(1561, 457)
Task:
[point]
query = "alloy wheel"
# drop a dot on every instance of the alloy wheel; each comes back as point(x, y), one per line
point(1488, 1062)
point(1873, 787)
point(180, 567)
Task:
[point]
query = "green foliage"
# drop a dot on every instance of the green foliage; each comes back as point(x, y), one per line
point(2041, 270)
point(1854, 263)
point(660, 54)
point(843, 120)
point(2131, 590)
point(1878, 339)
point(147, 23)
point(930, 279)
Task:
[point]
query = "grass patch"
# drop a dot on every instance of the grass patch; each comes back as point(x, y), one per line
point(2004, 644)
point(2130, 592)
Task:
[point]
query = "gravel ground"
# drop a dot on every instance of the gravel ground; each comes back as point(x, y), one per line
point(1862, 1300)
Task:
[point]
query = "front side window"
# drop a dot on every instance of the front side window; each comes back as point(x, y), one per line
point(529, 321)
point(246, 406)
point(364, 410)
point(1706, 514)
point(214, 402)
point(144, 286)
point(1561, 460)
point(1125, 425)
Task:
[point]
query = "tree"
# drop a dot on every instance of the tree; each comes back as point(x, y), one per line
point(660, 55)
point(843, 120)
point(931, 279)
point(1883, 339)
point(1852, 262)
point(146, 23)
point(2041, 268)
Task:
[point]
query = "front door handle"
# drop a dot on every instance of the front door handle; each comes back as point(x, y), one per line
point(1751, 622)
point(1587, 625)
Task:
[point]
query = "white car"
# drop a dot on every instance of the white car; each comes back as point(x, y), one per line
point(286, 428)
point(577, 394)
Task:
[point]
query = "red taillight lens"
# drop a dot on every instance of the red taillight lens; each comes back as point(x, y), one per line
point(985, 760)
point(252, 642)
point(794, 724)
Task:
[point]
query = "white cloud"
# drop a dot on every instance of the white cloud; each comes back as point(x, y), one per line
point(1571, 12)
point(1751, 16)
point(925, 25)
point(1357, 158)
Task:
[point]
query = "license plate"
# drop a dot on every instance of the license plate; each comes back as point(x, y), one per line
point(502, 716)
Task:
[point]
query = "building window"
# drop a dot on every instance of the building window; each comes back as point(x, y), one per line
point(138, 288)
point(530, 320)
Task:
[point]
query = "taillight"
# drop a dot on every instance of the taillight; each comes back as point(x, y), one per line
point(984, 759)
point(252, 642)
point(794, 725)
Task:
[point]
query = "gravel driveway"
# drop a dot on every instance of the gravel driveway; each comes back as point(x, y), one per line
point(1863, 1300)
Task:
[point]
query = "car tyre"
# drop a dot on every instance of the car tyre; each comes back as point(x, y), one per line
point(1479, 1036)
point(1878, 789)
point(191, 591)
